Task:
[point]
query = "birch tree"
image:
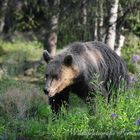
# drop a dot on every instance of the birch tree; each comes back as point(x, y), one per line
point(111, 30)
point(50, 41)
point(100, 20)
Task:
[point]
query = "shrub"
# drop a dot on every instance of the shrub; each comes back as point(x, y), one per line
point(131, 53)
point(21, 102)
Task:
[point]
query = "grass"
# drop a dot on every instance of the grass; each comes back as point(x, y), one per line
point(25, 114)
point(20, 58)
point(19, 51)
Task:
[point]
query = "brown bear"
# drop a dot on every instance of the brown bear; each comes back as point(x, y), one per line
point(75, 67)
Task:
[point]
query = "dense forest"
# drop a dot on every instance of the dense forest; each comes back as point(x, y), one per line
point(27, 27)
point(107, 21)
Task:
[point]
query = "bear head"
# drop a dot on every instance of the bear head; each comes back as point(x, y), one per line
point(61, 72)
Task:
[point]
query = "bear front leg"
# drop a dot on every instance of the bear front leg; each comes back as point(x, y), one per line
point(59, 100)
point(55, 104)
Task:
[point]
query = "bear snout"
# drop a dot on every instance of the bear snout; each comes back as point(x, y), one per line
point(46, 91)
point(50, 93)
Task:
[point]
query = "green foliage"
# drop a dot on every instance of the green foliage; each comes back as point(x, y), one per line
point(73, 123)
point(30, 16)
point(24, 114)
point(73, 33)
point(25, 17)
point(2, 52)
point(2, 129)
point(15, 56)
point(134, 23)
point(130, 49)
point(21, 50)
point(41, 69)
point(6, 82)
point(35, 129)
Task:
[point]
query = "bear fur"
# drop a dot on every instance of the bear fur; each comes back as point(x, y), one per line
point(76, 66)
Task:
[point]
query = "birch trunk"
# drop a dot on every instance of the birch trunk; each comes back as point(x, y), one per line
point(84, 11)
point(52, 38)
point(111, 31)
point(95, 23)
point(96, 29)
point(100, 20)
point(121, 40)
point(50, 41)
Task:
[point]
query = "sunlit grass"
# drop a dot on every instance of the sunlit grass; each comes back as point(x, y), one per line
point(18, 56)
point(19, 51)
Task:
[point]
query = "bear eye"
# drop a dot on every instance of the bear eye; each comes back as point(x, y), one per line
point(55, 76)
point(46, 75)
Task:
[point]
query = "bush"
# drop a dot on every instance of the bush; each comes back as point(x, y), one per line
point(21, 102)
point(131, 53)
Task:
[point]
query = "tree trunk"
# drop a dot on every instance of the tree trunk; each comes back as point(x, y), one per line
point(96, 28)
point(121, 39)
point(84, 19)
point(84, 12)
point(50, 41)
point(111, 31)
point(9, 17)
point(3, 5)
point(1, 24)
point(95, 20)
point(100, 20)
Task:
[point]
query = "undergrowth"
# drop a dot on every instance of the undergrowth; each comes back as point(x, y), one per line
point(24, 113)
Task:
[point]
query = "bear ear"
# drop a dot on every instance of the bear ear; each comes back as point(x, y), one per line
point(47, 57)
point(68, 60)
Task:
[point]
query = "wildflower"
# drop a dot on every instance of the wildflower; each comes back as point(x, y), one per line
point(133, 79)
point(135, 58)
point(113, 115)
point(137, 122)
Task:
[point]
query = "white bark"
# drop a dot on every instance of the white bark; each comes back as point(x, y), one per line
point(111, 33)
point(120, 44)
point(50, 42)
point(84, 11)
point(1, 24)
point(96, 29)
point(100, 20)
point(54, 22)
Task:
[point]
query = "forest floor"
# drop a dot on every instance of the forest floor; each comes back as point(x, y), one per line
point(24, 110)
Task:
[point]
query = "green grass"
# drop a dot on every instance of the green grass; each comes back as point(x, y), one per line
point(19, 51)
point(15, 57)
point(35, 119)
point(25, 114)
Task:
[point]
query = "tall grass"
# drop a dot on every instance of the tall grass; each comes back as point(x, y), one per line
point(24, 113)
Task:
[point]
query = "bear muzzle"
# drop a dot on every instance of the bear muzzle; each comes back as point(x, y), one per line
point(49, 92)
